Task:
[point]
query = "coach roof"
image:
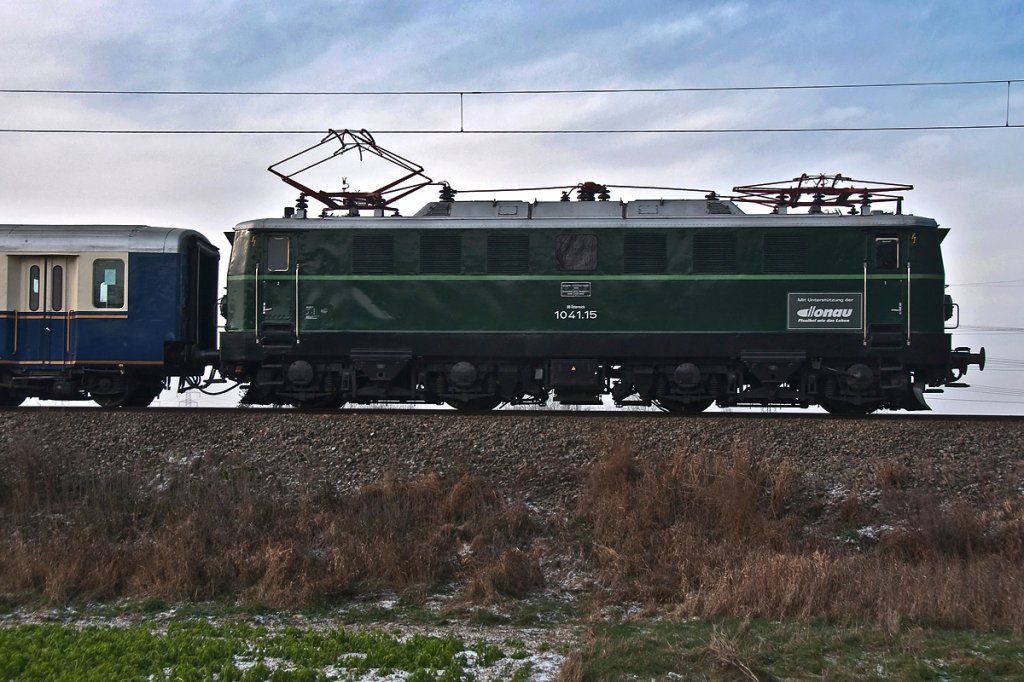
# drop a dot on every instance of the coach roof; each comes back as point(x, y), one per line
point(94, 238)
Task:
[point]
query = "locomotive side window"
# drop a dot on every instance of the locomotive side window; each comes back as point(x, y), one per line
point(33, 288)
point(108, 283)
point(277, 254)
point(887, 253)
point(576, 252)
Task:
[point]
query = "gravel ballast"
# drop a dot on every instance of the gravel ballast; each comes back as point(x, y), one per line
point(532, 456)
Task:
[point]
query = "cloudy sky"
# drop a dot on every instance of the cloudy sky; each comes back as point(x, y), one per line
point(966, 175)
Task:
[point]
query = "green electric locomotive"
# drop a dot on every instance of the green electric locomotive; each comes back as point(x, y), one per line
point(679, 303)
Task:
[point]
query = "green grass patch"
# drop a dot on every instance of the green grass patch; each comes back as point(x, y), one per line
point(729, 650)
point(197, 650)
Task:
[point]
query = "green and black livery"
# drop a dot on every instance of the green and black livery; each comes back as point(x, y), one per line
point(678, 303)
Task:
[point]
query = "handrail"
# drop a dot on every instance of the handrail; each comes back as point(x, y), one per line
point(256, 306)
point(956, 312)
point(908, 302)
point(297, 339)
point(864, 304)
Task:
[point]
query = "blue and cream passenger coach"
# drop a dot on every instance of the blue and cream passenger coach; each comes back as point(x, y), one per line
point(103, 312)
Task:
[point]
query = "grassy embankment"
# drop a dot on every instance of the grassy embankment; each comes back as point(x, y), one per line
point(691, 537)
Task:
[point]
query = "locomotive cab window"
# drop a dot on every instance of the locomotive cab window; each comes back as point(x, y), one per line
point(277, 254)
point(108, 283)
point(887, 253)
point(576, 252)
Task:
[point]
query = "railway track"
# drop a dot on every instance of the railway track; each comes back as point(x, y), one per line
point(539, 456)
point(527, 413)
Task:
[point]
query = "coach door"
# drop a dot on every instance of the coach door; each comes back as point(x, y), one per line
point(43, 316)
point(885, 285)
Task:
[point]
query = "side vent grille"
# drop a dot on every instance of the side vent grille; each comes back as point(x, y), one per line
point(785, 254)
point(508, 254)
point(440, 254)
point(373, 254)
point(714, 253)
point(644, 253)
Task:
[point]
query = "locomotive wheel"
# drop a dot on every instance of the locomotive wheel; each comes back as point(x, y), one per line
point(329, 402)
point(695, 407)
point(476, 404)
point(840, 408)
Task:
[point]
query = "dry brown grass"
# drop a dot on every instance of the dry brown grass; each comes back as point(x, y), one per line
point(234, 535)
point(726, 651)
point(572, 669)
point(715, 537)
point(694, 534)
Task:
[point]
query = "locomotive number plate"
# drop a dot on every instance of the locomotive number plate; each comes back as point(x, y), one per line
point(575, 289)
point(575, 312)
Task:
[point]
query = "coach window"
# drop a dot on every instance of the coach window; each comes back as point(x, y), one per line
point(33, 288)
point(57, 295)
point(576, 252)
point(108, 283)
point(277, 254)
point(887, 253)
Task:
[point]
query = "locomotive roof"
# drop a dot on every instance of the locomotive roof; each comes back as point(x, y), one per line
point(592, 214)
point(95, 238)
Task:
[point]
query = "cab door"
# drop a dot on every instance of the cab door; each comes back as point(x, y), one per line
point(44, 319)
point(276, 291)
point(886, 291)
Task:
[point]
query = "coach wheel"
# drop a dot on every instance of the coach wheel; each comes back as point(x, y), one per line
point(475, 404)
point(144, 395)
point(136, 393)
point(695, 407)
point(7, 399)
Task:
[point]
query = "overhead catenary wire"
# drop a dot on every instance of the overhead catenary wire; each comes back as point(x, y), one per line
point(1004, 361)
point(995, 283)
point(970, 400)
point(531, 91)
point(591, 131)
point(971, 329)
point(462, 94)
